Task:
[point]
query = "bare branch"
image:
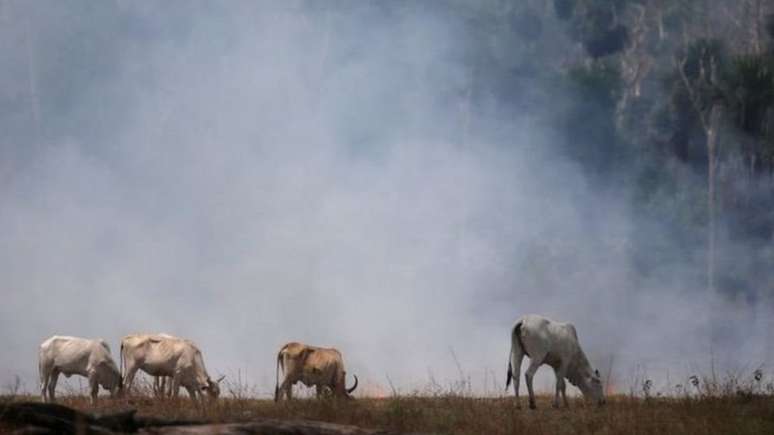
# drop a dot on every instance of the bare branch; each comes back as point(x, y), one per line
point(692, 95)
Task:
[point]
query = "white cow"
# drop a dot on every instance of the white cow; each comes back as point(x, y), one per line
point(77, 356)
point(545, 341)
point(167, 356)
point(162, 385)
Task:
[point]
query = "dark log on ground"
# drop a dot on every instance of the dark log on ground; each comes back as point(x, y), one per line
point(265, 427)
point(61, 419)
point(49, 418)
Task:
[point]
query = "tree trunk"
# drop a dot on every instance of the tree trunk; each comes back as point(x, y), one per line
point(712, 135)
point(659, 7)
point(756, 28)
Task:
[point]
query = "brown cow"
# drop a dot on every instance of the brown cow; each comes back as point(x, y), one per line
point(318, 366)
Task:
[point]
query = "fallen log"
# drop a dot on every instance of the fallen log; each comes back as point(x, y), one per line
point(51, 418)
point(62, 419)
point(265, 427)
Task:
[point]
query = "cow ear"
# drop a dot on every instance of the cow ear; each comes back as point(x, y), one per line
point(217, 381)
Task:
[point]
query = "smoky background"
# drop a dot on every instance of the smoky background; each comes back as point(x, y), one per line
point(245, 174)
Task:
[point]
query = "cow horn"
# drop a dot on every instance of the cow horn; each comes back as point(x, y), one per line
point(349, 391)
point(217, 381)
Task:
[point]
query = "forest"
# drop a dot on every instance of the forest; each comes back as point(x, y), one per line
point(400, 180)
point(672, 99)
point(668, 104)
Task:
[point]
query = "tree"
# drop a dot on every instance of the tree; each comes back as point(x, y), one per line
point(699, 72)
point(749, 92)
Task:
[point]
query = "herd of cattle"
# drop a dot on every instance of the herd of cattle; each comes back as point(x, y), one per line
point(176, 362)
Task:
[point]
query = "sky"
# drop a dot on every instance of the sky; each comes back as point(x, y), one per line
point(246, 174)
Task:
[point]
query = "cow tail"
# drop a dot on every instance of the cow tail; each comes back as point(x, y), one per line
point(122, 363)
point(42, 374)
point(517, 334)
point(276, 382)
point(509, 375)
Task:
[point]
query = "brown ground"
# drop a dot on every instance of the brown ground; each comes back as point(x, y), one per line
point(454, 414)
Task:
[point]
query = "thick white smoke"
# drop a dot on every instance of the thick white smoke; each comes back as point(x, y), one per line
point(246, 174)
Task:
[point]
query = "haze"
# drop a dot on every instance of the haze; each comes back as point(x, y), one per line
point(245, 174)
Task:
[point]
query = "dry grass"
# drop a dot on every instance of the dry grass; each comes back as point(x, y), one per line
point(456, 414)
point(734, 404)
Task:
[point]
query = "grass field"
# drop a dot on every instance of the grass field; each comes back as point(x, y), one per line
point(456, 414)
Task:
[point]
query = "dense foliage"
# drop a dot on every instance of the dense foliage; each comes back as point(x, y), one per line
point(630, 87)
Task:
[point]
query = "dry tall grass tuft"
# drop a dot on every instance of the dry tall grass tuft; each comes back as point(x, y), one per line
point(466, 415)
point(735, 405)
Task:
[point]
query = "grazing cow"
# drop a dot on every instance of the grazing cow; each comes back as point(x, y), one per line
point(162, 355)
point(321, 367)
point(545, 341)
point(162, 385)
point(77, 356)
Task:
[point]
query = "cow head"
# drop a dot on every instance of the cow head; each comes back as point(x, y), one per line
point(212, 388)
point(109, 377)
point(338, 386)
point(591, 387)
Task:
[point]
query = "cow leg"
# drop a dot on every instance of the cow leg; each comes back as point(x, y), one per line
point(166, 386)
point(52, 385)
point(561, 386)
point(44, 390)
point(131, 371)
point(175, 386)
point(287, 388)
point(196, 396)
point(534, 363)
point(160, 386)
point(516, 358)
point(191, 392)
point(156, 386)
point(564, 394)
point(94, 385)
point(280, 391)
point(335, 389)
point(44, 372)
point(44, 378)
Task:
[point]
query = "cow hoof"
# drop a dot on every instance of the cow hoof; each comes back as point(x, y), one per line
point(532, 406)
